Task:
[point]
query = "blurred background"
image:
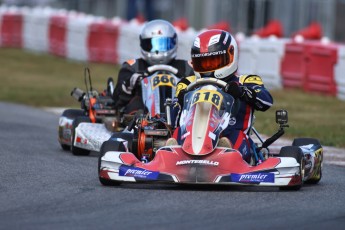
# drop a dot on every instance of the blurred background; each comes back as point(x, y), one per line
point(243, 16)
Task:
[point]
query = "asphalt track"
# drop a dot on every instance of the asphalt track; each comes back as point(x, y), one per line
point(44, 187)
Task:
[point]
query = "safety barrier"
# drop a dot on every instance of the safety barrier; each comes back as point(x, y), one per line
point(312, 66)
point(103, 41)
point(339, 73)
point(294, 65)
point(321, 61)
point(262, 57)
point(11, 29)
point(36, 29)
point(129, 41)
point(57, 34)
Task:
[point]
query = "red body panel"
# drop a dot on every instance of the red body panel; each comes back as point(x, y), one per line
point(188, 168)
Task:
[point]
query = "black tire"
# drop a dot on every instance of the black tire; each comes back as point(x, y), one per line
point(71, 114)
point(308, 141)
point(65, 147)
point(109, 146)
point(295, 152)
point(75, 150)
point(305, 141)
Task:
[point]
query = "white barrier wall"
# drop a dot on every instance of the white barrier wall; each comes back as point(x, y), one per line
point(339, 73)
point(76, 41)
point(185, 42)
point(262, 57)
point(128, 41)
point(36, 28)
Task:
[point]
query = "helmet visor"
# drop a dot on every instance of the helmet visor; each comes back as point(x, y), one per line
point(206, 62)
point(160, 44)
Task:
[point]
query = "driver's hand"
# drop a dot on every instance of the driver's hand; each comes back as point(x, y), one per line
point(234, 89)
point(244, 93)
point(130, 84)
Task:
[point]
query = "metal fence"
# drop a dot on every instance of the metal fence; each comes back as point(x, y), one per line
point(243, 15)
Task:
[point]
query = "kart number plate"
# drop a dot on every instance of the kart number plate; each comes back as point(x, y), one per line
point(210, 96)
point(163, 80)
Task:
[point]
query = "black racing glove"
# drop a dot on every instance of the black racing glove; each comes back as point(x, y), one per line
point(242, 92)
point(233, 89)
point(130, 84)
point(248, 95)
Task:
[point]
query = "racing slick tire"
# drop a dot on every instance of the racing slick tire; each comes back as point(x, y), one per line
point(71, 114)
point(109, 146)
point(308, 141)
point(295, 152)
point(75, 150)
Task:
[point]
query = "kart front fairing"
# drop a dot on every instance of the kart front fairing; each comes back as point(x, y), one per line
point(206, 113)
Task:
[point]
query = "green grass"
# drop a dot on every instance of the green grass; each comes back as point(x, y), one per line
point(43, 80)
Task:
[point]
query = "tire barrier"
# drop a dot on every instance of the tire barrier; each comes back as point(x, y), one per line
point(57, 35)
point(311, 65)
point(11, 28)
point(294, 65)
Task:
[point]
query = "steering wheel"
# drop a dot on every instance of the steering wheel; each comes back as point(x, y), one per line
point(205, 81)
point(169, 68)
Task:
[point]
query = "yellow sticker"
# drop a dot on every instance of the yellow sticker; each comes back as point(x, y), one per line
point(254, 80)
point(163, 80)
point(210, 96)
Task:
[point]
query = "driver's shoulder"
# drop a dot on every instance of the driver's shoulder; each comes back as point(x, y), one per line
point(250, 79)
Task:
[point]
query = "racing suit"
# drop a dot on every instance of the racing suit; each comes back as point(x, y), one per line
point(127, 93)
point(240, 123)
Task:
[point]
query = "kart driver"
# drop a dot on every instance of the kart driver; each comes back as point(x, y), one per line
point(215, 54)
point(158, 42)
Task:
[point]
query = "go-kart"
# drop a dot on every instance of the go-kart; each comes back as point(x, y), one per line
point(203, 159)
point(148, 129)
point(96, 107)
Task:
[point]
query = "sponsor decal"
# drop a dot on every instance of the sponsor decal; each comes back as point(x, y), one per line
point(209, 54)
point(226, 38)
point(253, 178)
point(199, 162)
point(197, 42)
point(185, 135)
point(232, 121)
point(137, 172)
point(214, 40)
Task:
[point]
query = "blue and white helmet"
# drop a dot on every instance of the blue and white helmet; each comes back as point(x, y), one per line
point(158, 42)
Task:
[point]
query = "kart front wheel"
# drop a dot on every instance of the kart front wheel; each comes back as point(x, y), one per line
point(295, 152)
point(106, 147)
point(65, 147)
point(70, 114)
point(75, 150)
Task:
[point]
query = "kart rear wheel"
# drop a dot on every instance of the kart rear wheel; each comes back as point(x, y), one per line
point(75, 150)
point(106, 147)
point(308, 141)
point(295, 152)
point(305, 141)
